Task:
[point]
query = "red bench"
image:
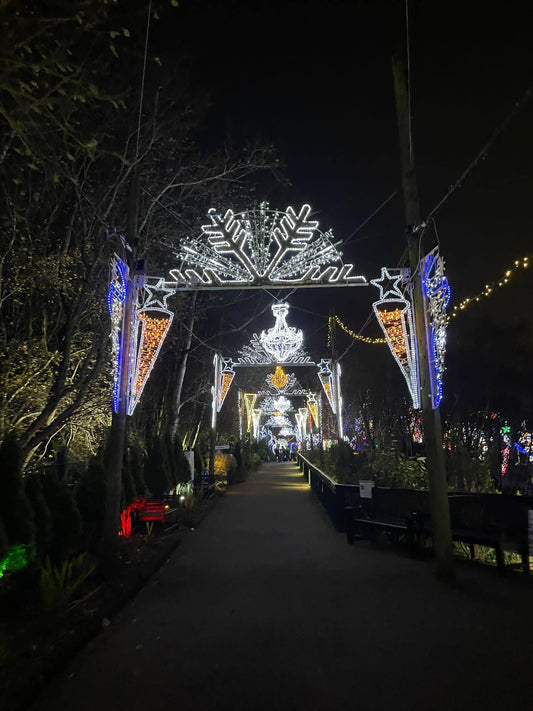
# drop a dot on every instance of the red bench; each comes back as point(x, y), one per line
point(150, 512)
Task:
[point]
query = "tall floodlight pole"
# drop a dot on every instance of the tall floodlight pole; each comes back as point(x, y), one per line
point(438, 488)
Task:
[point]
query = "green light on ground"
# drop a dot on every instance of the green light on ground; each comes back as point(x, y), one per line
point(17, 557)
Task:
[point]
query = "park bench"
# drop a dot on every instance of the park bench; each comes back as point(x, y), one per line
point(398, 512)
point(491, 520)
point(498, 522)
point(153, 511)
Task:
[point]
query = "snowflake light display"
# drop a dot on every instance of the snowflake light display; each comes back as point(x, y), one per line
point(436, 298)
point(262, 247)
point(395, 315)
point(281, 341)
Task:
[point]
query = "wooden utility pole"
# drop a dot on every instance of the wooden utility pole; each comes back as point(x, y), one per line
point(118, 421)
point(438, 487)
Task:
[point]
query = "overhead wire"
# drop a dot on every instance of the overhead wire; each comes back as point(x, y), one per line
point(385, 202)
point(409, 117)
point(481, 154)
point(143, 77)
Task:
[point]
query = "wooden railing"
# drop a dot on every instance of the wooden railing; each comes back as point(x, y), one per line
point(335, 497)
point(494, 520)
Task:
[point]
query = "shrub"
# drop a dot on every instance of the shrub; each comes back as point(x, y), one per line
point(467, 472)
point(58, 584)
point(65, 515)
point(44, 524)
point(225, 465)
point(16, 511)
point(155, 469)
point(91, 497)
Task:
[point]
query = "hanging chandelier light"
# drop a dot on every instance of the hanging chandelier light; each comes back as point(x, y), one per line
point(281, 341)
point(281, 404)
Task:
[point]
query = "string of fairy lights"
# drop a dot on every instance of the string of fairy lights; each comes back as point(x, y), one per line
point(355, 336)
point(489, 289)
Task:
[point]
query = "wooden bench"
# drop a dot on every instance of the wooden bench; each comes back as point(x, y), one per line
point(399, 512)
point(491, 520)
point(360, 526)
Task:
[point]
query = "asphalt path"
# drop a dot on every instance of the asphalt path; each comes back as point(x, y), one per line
point(265, 606)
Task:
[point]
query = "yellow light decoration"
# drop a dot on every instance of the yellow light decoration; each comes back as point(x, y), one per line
point(249, 402)
point(154, 330)
point(327, 389)
point(313, 409)
point(325, 375)
point(227, 379)
point(355, 336)
point(279, 378)
point(393, 325)
point(490, 288)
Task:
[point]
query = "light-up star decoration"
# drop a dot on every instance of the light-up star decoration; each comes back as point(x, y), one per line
point(225, 378)
point(312, 405)
point(436, 292)
point(281, 341)
point(262, 247)
point(395, 315)
point(325, 375)
point(151, 321)
point(156, 292)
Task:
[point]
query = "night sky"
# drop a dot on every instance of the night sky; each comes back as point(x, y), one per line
point(315, 80)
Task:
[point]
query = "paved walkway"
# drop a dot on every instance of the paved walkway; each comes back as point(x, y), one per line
point(266, 607)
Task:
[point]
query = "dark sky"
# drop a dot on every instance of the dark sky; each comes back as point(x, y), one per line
point(314, 79)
